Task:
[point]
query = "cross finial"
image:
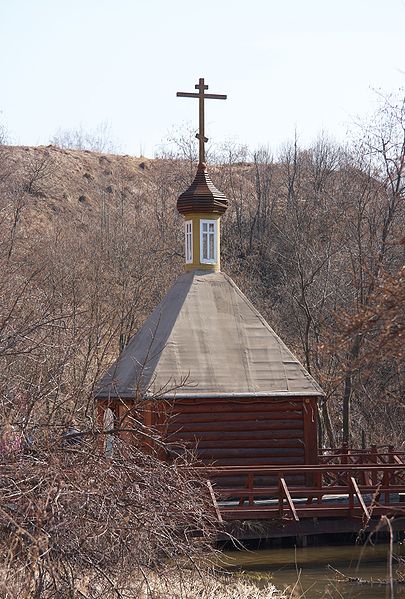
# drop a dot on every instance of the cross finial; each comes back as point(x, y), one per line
point(201, 97)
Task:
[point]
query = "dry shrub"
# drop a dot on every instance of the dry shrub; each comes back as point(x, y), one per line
point(190, 585)
point(73, 524)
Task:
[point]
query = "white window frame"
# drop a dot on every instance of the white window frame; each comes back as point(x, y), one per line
point(208, 259)
point(188, 241)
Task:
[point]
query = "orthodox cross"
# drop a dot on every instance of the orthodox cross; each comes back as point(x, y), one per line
point(201, 97)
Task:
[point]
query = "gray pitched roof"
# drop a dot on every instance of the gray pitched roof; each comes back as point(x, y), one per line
point(205, 339)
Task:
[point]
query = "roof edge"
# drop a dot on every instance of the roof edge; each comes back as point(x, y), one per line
point(242, 394)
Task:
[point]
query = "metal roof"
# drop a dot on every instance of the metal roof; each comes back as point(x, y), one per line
point(205, 339)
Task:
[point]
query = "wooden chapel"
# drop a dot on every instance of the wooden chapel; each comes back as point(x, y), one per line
point(207, 368)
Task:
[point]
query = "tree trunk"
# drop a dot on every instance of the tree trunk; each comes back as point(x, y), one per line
point(328, 424)
point(348, 389)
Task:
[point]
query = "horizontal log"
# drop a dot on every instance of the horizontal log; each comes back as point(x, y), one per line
point(246, 443)
point(252, 452)
point(303, 492)
point(248, 425)
point(181, 418)
point(276, 461)
point(319, 468)
point(241, 434)
point(260, 481)
point(220, 453)
point(234, 406)
point(265, 512)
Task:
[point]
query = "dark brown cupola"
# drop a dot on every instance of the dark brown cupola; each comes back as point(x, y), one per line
point(202, 196)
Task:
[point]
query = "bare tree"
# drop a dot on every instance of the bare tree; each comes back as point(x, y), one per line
point(3, 135)
point(39, 171)
point(99, 139)
point(74, 524)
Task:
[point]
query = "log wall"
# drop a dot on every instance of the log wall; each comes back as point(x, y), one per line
point(244, 432)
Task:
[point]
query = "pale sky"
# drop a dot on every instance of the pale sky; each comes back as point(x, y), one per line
point(285, 64)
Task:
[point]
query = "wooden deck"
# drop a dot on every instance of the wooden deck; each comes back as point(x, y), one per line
point(345, 484)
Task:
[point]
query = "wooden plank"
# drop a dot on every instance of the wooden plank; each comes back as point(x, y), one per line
point(249, 425)
point(231, 406)
point(330, 468)
point(220, 452)
point(260, 481)
point(247, 443)
point(273, 490)
point(180, 445)
point(215, 402)
point(214, 501)
point(258, 461)
point(226, 416)
point(217, 435)
point(359, 497)
point(239, 406)
point(289, 500)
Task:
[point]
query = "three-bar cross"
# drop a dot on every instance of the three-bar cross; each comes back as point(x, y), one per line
point(201, 97)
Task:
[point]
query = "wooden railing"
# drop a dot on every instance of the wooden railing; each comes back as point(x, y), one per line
point(376, 454)
point(325, 490)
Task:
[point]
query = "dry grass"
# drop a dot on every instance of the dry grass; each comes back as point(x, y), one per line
point(146, 584)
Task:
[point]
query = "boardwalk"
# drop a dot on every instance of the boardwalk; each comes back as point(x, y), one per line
point(349, 485)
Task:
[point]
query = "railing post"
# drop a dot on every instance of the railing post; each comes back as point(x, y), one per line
point(318, 482)
point(361, 460)
point(344, 458)
point(351, 496)
point(242, 497)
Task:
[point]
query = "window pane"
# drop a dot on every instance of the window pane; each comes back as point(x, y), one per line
point(188, 241)
point(211, 227)
point(204, 246)
point(204, 227)
point(212, 253)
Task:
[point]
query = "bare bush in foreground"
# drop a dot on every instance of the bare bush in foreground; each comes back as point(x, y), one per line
point(74, 524)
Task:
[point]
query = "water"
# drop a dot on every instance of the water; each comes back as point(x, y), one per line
point(307, 570)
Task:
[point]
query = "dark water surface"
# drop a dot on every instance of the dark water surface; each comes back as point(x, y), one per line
point(310, 567)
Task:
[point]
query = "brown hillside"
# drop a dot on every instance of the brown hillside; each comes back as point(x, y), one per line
point(72, 182)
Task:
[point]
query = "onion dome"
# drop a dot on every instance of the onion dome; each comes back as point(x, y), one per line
point(202, 195)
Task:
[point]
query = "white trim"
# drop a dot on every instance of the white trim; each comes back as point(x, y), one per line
point(188, 241)
point(210, 233)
